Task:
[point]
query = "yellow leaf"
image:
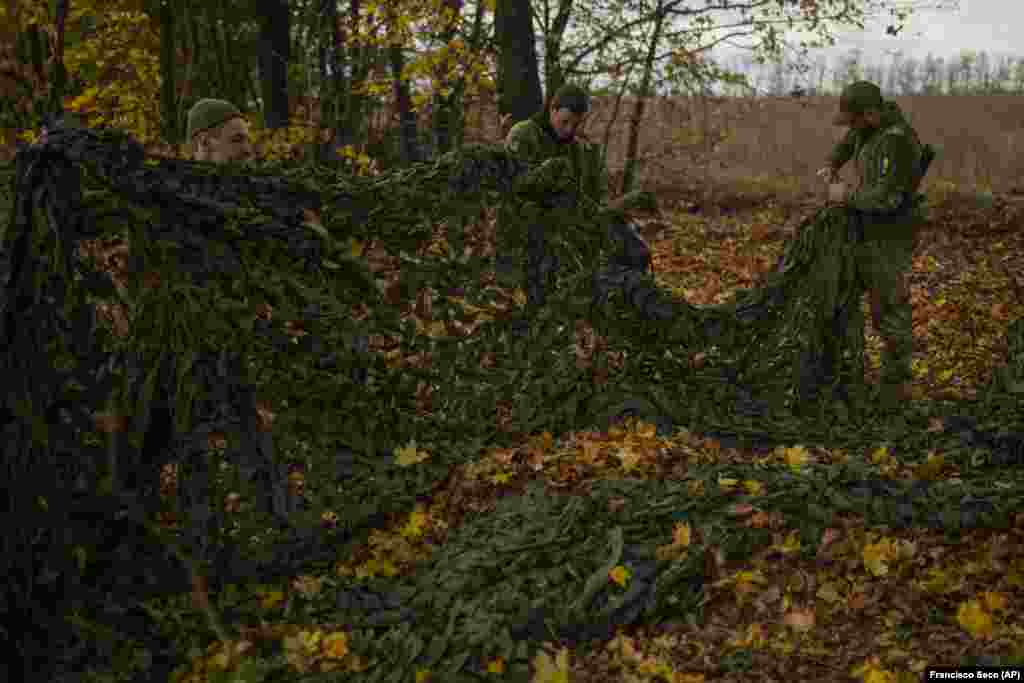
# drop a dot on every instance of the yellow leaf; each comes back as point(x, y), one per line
point(501, 478)
point(796, 456)
point(727, 484)
point(753, 487)
point(620, 575)
point(881, 455)
point(422, 676)
point(335, 646)
point(938, 581)
point(994, 601)
point(355, 247)
point(629, 458)
point(932, 467)
point(790, 545)
point(408, 455)
point(374, 567)
point(681, 534)
point(945, 375)
point(496, 666)
point(271, 598)
point(549, 669)
point(646, 430)
point(974, 619)
point(871, 671)
point(878, 555)
point(414, 527)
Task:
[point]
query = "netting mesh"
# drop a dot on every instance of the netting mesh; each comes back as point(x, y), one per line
point(211, 250)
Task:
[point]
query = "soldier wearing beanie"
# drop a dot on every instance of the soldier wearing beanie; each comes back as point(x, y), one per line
point(550, 134)
point(218, 132)
point(890, 162)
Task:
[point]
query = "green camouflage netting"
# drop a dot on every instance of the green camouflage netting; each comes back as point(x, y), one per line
point(219, 241)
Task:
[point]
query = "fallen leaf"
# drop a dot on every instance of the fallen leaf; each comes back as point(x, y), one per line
point(799, 619)
point(974, 619)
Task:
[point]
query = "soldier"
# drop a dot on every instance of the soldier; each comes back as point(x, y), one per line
point(890, 162)
point(218, 132)
point(551, 133)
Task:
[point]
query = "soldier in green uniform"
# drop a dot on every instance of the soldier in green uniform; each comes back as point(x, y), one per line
point(890, 162)
point(218, 132)
point(551, 133)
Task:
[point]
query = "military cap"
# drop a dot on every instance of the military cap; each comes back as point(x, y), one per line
point(571, 97)
point(857, 98)
point(209, 113)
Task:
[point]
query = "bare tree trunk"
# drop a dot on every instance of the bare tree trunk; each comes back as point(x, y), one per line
point(360, 60)
point(630, 174)
point(273, 55)
point(476, 40)
point(445, 103)
point(332, 79)
point(168, 69)
point(519, 92)
point(407, 132)
point(553, 74)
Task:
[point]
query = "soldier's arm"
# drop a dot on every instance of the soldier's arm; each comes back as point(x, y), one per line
point(523, 142)
point(843, 151)
point(888, 176)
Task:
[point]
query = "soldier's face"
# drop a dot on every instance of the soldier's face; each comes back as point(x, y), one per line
point(565, 122)
point(229, 143)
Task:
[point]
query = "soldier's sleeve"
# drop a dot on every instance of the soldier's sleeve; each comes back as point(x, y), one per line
point(843, 151)
point(523, 142)
point(600, 189)
point(888, 176)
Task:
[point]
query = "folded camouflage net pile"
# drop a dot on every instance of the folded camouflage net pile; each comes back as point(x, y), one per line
point(212, 247)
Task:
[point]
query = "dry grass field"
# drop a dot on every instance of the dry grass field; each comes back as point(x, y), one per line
point(777, 143)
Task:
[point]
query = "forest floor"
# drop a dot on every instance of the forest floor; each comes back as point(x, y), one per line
point(872, 603)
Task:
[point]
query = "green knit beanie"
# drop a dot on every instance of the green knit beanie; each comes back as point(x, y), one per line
point(208, 113)
point(571, 97)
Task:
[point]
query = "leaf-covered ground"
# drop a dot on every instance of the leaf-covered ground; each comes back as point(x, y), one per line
point(860, 603)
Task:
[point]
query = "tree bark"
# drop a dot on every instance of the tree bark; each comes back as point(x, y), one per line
point(168, 69)
point(630, 173)
point(553, 74)
point(332, 79)
point(519, 91)
point(407, 129)
point(445, 103)
point(272, 58)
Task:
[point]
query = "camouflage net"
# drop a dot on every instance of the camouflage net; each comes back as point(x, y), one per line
point(209, 246)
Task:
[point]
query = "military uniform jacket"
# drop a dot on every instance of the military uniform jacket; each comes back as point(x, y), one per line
point(534, 140)
point(887, 161)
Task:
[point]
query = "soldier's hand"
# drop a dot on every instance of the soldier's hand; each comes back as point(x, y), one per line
point(558, 168)
point(837, 192)
point(828, 173)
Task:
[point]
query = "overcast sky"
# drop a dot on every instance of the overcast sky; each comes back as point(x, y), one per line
point(993, 25)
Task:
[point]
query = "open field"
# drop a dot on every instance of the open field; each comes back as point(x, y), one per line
point(780, 142)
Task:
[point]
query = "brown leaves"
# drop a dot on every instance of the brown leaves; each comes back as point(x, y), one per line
point(110, 423)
